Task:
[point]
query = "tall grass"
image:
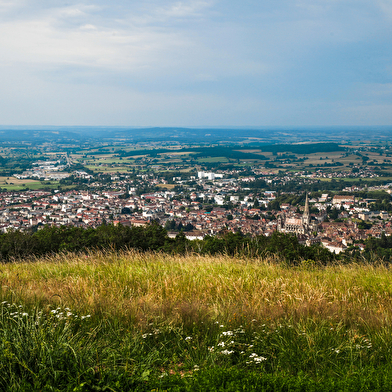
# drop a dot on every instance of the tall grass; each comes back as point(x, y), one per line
point(149, 320)
point(144, 287)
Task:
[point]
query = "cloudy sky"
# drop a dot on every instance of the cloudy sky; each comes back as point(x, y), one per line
point(196, 62)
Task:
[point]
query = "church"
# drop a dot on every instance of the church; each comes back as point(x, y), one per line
point(300, 225)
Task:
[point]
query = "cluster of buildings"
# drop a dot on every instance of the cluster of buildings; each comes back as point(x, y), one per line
point(206, 204)
point(46, 170)
point(25, 210)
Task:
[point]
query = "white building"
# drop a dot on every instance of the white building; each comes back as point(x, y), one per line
point(208, 176)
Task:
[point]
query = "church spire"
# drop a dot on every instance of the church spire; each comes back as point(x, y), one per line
point(306, 215)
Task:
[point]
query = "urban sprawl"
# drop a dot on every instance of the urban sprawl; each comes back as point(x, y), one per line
point(201, 204)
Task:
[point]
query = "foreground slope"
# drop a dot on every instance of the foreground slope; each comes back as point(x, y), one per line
point(144, 321)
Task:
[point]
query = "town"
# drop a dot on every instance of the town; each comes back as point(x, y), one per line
point(206, 203)
point(333, 193)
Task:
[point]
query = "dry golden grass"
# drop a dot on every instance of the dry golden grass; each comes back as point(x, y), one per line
point(145, 287)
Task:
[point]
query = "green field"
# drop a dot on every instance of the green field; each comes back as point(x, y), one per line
point(13, 184)
point(153, 322)
point(213, 160)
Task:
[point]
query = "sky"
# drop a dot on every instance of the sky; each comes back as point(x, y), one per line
point(196, 62)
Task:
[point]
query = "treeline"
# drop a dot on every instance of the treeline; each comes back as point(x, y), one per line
point(380, 248)
point(308, 148)
point(238, 152)
point(51, 240)
point(234, 152)
point(153, 237)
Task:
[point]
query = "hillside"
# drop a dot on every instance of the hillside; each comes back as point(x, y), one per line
point(149, 321)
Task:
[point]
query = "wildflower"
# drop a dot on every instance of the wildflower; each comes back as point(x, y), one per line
point(256, 358)
point(188, 338)
point(211, 349)
point(196, 368)
point(227, 352)
point(221, 326)
point(227, 333)
point(25, 314)
point(221, 344)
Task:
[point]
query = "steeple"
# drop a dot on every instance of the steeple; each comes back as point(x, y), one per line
point(306, 215)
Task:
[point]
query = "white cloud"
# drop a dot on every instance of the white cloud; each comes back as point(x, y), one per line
point(217, 58)
point(185, 9)
point(386, 8)
point(46, 40)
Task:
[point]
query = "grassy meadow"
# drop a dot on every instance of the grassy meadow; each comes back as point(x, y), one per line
point(154, 322)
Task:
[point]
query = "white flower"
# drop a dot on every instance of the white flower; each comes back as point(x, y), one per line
point(221, 344)
point(257, 358)
point(227, 352)
point(227, 333)
point(188, 338)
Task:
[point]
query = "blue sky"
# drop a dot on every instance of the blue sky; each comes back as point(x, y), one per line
point(196, 62)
